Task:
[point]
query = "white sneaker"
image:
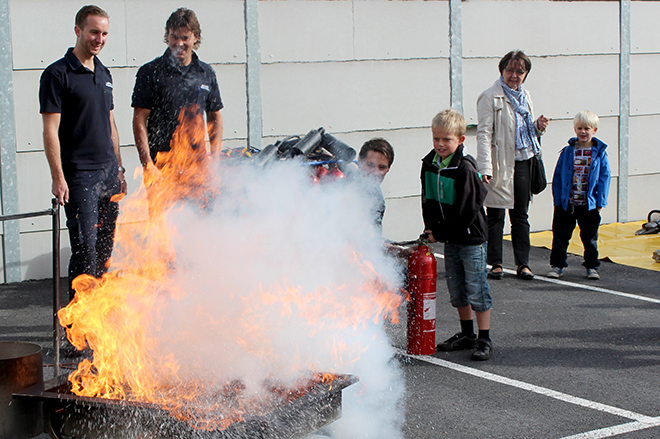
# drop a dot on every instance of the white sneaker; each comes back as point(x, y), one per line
point(555, 272)
point(592, 274)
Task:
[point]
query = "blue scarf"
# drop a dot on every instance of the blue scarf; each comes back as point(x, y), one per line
point(525, 127)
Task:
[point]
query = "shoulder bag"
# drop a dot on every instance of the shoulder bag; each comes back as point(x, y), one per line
point(537, 178)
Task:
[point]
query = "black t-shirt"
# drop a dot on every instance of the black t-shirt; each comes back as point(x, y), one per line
point(164, 87)
point(84, 100)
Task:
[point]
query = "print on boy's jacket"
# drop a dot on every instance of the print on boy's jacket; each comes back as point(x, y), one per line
point(598, 176)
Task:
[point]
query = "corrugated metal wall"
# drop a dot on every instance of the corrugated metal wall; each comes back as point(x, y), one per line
point(360, 69)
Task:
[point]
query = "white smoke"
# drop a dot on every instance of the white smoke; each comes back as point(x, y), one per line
point(273, 277)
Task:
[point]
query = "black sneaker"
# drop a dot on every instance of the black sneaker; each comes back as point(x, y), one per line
point(458, 342)
point(483, 350)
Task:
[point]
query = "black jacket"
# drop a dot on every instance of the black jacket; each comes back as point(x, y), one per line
point(453, 199)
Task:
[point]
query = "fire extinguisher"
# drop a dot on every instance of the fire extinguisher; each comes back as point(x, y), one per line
point(422, 275)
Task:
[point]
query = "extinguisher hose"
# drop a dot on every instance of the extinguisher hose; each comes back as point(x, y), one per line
point(423, 239)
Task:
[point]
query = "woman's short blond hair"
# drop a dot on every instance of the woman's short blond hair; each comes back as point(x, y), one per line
point(450, 120)
point(587, 118)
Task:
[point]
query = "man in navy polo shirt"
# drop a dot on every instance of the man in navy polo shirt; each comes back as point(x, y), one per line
point(176, 80)
point(82, 144)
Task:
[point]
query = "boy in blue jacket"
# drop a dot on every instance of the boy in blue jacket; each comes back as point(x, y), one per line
point(452, 206)
point(580, 187)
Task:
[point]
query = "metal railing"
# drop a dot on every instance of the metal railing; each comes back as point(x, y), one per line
point(54, 211)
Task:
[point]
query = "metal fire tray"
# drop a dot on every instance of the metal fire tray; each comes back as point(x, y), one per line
point(67, 415)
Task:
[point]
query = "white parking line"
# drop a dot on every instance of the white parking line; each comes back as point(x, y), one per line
point(616, 430)
point(530, 387)
point(641, 422)
point(577, 285)
point(597, 289)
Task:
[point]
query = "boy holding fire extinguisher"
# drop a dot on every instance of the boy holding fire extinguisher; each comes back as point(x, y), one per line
point(452, 207)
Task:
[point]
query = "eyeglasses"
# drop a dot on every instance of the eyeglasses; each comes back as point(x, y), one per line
point(519, 72)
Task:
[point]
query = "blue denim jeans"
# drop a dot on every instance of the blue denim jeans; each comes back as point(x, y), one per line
point(466, 271)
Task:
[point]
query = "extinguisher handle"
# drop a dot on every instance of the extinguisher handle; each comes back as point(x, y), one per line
point(423, 239)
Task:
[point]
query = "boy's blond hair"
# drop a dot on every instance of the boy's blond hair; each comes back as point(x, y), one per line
point(587, 118)
point(450, 120)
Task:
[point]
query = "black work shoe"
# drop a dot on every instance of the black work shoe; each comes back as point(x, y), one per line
point(483, 350)
point(458, 342)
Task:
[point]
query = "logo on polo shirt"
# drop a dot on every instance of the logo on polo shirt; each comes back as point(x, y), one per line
point(108, 84)
point(205, 87)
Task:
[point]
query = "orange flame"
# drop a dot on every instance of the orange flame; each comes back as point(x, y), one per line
point(123, 318)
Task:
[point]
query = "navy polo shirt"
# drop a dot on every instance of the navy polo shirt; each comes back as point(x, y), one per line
point(165, 87)
point(84, 100)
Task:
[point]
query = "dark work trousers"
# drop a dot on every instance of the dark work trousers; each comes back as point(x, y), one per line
point(563, 224)
point(518, 217)
point(91, 218)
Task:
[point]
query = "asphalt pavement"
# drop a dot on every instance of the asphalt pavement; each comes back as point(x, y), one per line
point(572, 358)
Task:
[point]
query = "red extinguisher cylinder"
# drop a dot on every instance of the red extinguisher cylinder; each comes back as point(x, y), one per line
point(422, 276)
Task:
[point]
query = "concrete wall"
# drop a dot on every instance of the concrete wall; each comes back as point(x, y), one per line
point(359, 69)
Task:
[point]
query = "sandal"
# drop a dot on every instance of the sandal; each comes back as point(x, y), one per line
point(496, 272)
point(526, 275)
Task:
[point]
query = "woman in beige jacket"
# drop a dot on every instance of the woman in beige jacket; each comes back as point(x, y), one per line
point(506, 142)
